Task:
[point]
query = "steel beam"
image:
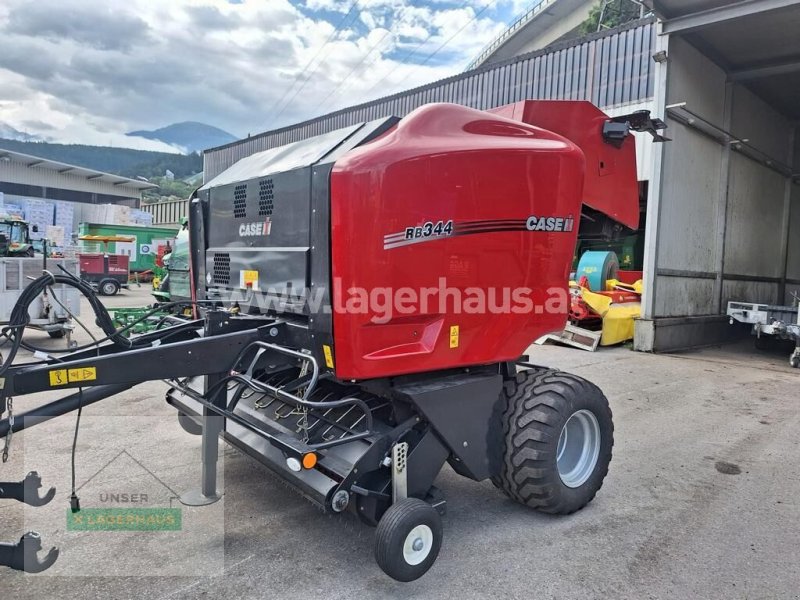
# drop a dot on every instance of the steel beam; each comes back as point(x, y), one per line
point(654, 188)
point(786, 221)
point(765, 71)
point(723, 196)
point(707, 18)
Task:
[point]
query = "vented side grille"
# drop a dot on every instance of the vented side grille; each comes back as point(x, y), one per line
point(222, 269)
point(240, 201)
point(265, 197)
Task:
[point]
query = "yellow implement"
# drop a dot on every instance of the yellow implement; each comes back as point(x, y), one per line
point(617, 318)
point(618, 323)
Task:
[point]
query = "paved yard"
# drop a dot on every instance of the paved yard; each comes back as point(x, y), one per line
point(701, 501)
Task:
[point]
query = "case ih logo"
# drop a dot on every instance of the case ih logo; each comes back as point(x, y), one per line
point(549, 223)
point(259, 228)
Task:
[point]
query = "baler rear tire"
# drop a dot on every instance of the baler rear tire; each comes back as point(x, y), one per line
point(406, 523)
point(539, 404)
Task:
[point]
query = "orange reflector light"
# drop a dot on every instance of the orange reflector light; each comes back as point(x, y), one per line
point(309, 460)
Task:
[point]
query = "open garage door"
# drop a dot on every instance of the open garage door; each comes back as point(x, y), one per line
point(724, 207)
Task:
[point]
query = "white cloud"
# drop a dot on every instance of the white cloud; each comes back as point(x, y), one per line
point(89, 70)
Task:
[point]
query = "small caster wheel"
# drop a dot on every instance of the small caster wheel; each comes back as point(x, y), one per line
point(794, 362)
point(408, 539)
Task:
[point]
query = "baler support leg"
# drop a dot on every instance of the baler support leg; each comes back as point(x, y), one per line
point(207, 494)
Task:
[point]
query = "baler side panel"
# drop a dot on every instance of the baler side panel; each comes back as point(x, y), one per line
point(610, 184)
point(487, 176)
point(261, 226)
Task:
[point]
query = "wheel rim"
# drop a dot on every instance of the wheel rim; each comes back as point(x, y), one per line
point(578, 448)
point(418, 544)
point(109, 288)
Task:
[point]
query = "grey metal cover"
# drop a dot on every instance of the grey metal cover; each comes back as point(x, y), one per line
point(284, 158)
point(264, 214)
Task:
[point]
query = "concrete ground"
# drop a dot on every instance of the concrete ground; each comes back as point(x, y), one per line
point(701, 501)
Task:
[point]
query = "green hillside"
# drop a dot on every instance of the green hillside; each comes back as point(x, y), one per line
point(119, 161)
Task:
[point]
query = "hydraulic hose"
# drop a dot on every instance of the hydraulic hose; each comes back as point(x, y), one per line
point(20, 318)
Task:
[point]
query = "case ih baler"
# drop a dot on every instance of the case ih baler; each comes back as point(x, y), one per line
point(293, 361)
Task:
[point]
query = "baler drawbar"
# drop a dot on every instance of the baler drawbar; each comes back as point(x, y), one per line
point(355, 401)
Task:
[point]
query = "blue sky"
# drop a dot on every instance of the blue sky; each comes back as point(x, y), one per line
point(89, 70)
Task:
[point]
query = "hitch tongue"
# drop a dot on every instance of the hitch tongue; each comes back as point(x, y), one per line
point(23, 556)
point(27, 490)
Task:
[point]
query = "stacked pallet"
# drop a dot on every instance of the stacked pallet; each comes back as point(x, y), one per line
point(65, 216)
point(141, 217)
point(111, 214)
point(38, 213)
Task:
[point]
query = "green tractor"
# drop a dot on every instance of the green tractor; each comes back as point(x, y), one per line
point(15, 239)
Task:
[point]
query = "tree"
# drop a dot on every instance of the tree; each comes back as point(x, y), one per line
point(611, 13)
point(168, 189)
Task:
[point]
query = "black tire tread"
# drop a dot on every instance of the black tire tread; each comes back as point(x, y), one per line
point(538, 402)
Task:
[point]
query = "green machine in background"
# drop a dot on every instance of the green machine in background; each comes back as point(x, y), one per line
point(629, 250)
point(15, 238)
point(175, 285)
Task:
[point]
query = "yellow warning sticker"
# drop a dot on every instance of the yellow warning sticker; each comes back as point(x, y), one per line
point(65, 376)
point(58, 377)
point(454, 336)
point(328, 355)
point(82, 374)
point(249, 279)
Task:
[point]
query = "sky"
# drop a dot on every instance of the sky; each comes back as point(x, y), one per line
point(87, 71)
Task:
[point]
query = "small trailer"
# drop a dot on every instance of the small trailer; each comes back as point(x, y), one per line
point(105, 272)
point(782, 322)
point(49, 312)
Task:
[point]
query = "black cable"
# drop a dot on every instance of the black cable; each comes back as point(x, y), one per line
point(160, 308)
point(74, 501)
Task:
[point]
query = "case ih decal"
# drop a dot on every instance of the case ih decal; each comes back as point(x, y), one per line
point(430, 231)
point(259, 228)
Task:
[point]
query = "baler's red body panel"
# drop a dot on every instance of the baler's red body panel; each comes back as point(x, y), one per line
point(610, 180)
point(485, 175)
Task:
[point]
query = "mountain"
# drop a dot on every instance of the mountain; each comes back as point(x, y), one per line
point(126, 162)
point(9, 133)
point(189, 135)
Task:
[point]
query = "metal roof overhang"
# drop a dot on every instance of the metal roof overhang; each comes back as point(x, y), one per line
point(757, 42)
point(64, 168)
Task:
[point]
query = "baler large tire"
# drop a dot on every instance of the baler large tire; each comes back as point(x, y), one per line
point(408, 539)
point(541, 467)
